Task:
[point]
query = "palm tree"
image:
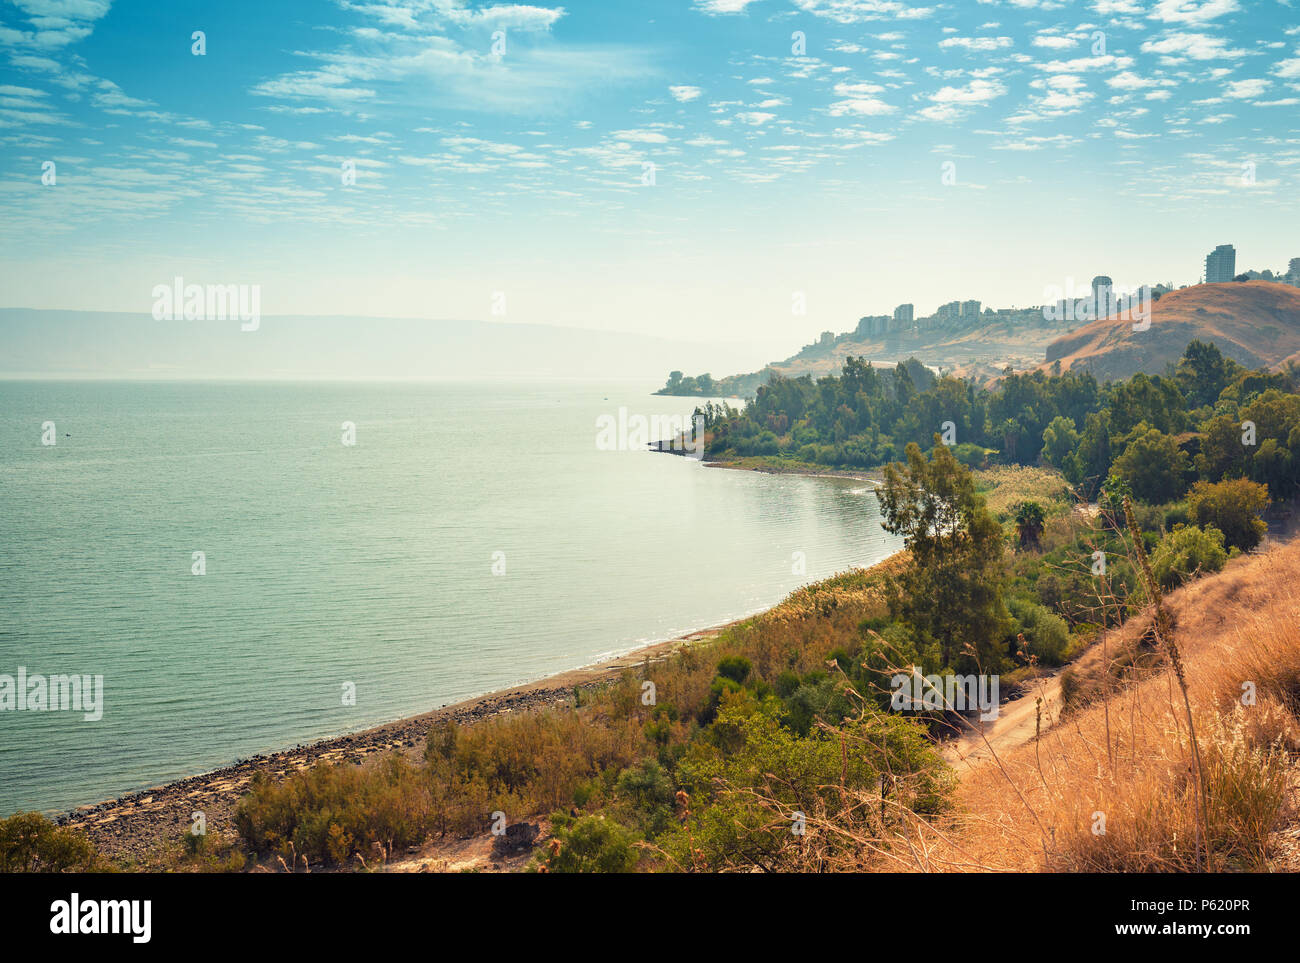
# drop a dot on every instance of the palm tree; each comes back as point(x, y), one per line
point(1029, 523)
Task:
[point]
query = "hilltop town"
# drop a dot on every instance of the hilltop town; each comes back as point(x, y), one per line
point(972, 339)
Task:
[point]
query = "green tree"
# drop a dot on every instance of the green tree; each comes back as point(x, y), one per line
point(1203, 372)
point(1222, 453)
point(1154, 467)
point(952, 591)
point(1091, 463)
point(1029, 523)
point(1059, 442)
point(1233, 507)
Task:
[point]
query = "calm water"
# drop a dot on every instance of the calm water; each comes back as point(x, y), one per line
point(370, 564)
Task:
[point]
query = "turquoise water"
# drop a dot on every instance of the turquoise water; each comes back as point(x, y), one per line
point(369, 564)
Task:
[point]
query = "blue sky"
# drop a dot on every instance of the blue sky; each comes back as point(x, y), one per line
point(1126, 137)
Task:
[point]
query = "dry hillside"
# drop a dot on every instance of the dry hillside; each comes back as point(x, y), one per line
point(1122, 752)
point(1257, 323)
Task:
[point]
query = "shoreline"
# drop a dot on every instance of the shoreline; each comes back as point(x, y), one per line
point(138, 824)
point(874, 475)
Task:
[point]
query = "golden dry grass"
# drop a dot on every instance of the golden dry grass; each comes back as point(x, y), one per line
point(1003, 486)
point(1127, 759)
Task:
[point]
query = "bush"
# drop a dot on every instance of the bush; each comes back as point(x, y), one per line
point(972, 456)
point(1233, 507)
point(589, 844)
point(1187, 552)
point(736, 668)
point(30, 843)
point(751, 773)
point(327, 813)
point(1046, 633)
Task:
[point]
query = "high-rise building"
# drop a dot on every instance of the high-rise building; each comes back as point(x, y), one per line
point(904, 313)
point(1221, 264)
point(1103, 297)
point(969, 309)
point(1293, 271)
point(948, 312)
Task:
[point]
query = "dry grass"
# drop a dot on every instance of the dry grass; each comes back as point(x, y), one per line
point(1128, 759)
point(1004, 485)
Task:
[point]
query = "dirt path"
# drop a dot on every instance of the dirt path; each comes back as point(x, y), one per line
point(1018, 720)
point(1016, 724)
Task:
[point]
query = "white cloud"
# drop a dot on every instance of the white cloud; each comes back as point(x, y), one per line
point(949, 103)
point(684, 94)
point(410, 15)
point(977, 43)
point(1107, 8)
point(1191, 46)
point(1192, 11)
point(716, 7)
point(859, 100)
point(1244, 89)
point(862, 11)
point(1082, 64)
point(640, 136)
point(1128, 80)
point(56, 23)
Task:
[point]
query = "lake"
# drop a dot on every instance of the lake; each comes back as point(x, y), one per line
point(473, 536)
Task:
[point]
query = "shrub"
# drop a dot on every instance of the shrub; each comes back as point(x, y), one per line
point(972, 456)
point(327, 813)
point(1046, 633)
point(589, 844)
point(1187, 552)
point(30, 843)
point(1233, 507)
point(736, 668)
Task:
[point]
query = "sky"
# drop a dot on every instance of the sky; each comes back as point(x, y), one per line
point(692, 169)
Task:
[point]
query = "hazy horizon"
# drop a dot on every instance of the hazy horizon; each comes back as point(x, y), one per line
point(75, 345)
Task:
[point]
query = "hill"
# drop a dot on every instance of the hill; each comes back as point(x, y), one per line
point(1256, 323)
point(1114, 742)
point(980, 348)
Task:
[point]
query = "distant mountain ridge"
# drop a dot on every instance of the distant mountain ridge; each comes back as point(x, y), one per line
point(102, 344)
point(1256, 323)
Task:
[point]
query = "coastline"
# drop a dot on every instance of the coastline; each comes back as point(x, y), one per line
point(873, 475)
point(139, 824)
